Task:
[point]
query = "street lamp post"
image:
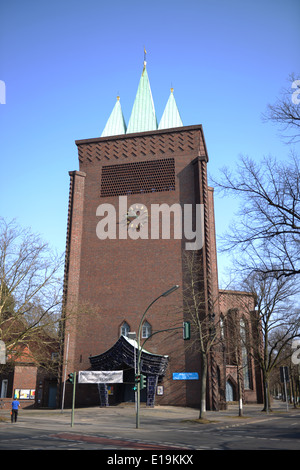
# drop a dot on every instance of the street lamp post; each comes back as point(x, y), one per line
point(165, 294)
point(132, 335)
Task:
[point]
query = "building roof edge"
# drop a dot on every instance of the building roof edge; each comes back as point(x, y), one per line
point(140, 134)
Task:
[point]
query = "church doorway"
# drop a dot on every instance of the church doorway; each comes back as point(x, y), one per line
point(127, 393)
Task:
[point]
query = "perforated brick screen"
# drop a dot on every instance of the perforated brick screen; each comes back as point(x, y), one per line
point(138, 177)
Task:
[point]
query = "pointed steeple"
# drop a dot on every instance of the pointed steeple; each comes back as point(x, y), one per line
point(171, 116)
point(116, 123)
point(143, 117)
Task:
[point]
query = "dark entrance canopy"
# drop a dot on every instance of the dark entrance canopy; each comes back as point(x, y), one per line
point(124, 352)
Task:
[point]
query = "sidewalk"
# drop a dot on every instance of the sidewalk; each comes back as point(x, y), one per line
point(123, 416)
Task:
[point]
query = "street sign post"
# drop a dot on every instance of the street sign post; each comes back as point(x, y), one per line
point(73, 401)
point(284, 378)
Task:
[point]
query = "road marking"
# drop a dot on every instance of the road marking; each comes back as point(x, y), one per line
point(107, 440)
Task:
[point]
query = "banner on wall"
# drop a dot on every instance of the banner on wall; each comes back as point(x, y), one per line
point(102, 376)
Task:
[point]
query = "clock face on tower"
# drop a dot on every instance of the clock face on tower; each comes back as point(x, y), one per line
point(137, 217)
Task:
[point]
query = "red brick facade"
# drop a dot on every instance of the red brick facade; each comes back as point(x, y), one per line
point(24, 377)
point(241, 304)
point(112, 281)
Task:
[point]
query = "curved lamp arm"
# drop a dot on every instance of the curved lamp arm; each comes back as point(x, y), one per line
point(165, 294)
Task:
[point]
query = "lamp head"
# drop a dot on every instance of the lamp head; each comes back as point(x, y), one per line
point(170, 291)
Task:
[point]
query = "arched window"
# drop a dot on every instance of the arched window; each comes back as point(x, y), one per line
point(146, 330)
point(125, 328)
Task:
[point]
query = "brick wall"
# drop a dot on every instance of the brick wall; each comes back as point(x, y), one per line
point(243, 303)
point(24, 377)
point(112, 281)
point(115, 280)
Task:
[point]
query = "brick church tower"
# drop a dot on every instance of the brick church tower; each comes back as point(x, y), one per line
point(116, 265)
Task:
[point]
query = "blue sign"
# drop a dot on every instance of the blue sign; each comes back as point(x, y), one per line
point(185, 376)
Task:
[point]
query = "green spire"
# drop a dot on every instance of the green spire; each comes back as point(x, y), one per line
point(171, 116)
point(116, 123)
point(143, 116)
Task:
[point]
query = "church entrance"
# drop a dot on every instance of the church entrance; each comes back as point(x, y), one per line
point(121, 356)
point(129, 394)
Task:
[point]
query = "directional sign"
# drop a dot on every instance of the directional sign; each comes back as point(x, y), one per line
point(185, 376)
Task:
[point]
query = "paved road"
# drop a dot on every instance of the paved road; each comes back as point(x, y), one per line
point(163, 429)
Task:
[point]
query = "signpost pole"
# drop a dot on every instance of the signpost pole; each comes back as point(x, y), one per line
point(165, 294)
point(73, 400)
point(284, 378)
point(285, 388)
point(64, 383)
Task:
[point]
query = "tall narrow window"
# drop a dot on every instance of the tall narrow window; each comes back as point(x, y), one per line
point(146, 330)
point(245, 364)
point(222, 327)
point(125, 328)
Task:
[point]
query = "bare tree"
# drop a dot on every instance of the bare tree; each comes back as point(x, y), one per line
point(292, 378)
point(237, 349)
point(275, 319)
point(265, 237)
point(286, 110)
point(30, 288)
point(204, 324)
point(267, 227)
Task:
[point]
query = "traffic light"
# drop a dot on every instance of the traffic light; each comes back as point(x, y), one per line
point(137, 379)
point(143, 381)
point(186, 330)
point(71, 378)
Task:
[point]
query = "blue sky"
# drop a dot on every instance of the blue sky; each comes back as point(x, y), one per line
point(64, 63)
